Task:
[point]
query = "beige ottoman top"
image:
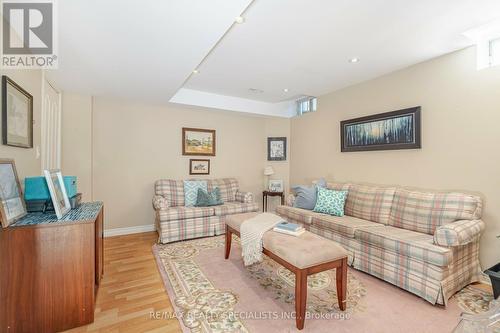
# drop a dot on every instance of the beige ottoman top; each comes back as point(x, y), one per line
point(235, 220)
point(304, 251)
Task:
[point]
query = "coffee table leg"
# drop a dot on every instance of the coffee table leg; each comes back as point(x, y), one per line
point(300, 298)
point(229, 237)
point(341, 279)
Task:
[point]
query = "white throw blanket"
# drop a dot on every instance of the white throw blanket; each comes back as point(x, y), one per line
point(251, 233)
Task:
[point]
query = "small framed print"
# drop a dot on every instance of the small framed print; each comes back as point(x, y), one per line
point(199, 167)
point(276, 149)
point(276, 185)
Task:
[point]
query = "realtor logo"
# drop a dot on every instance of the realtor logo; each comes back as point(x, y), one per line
point(28, 34)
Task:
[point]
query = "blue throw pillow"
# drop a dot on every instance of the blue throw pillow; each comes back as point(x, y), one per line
point(206, 199)
point(191, 191)
point(330, 202)
point(306, 195)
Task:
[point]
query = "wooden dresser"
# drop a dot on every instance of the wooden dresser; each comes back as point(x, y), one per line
point(50, 270)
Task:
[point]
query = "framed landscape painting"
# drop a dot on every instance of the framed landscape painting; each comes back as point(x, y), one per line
point(17, 115)
point(196, 141)
point(399, 129)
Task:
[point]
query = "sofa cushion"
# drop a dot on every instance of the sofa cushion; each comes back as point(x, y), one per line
point(191, 191)
point(338, 186)
point(229, 208)
point(207, 199)
point(369, 202)
point(345, 225)
point(330, 202)
point(406, 243)
point(425, 211)
point(306, 196)
point(172, 190)
point(296, 214)
point(228, 188)
point(181, 213)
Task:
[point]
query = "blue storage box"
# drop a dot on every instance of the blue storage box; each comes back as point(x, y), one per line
point(35, 188)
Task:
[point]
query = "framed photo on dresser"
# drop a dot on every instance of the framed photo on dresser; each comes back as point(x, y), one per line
point(58, 192)
point(12, 206)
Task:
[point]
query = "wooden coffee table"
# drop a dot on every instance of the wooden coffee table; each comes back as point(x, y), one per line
point(286, 250)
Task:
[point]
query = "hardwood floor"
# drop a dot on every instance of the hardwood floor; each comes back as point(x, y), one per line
point(131, 289)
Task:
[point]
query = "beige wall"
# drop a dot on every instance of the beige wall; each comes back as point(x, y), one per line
point(76, 148)
point(460, 134)
point(27, 163)
point(136, 144)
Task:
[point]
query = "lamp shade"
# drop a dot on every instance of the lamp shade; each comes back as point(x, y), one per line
point(268, 171)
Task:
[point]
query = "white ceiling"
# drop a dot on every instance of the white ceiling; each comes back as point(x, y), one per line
point(139, 49)
point(146, 50)
point(305, 46)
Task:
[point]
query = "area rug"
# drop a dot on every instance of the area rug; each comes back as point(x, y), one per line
point(211, 294)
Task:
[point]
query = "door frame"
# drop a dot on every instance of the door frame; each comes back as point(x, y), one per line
point(44, 124)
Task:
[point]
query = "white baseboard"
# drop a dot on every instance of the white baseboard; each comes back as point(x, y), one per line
point(129, 230)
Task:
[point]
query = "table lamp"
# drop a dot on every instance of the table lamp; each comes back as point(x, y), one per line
point(268, 171)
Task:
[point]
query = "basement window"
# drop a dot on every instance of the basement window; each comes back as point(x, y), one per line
point(306, 105)
point(495, 52)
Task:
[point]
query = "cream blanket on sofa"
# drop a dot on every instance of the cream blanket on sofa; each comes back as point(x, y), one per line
point(251, 233)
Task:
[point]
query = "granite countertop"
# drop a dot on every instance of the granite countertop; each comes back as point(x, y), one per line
point(86, 211)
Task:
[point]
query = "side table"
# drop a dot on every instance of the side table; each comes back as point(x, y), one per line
point(266, 194)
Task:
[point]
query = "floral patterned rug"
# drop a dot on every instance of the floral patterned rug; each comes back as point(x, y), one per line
point(211, 294)
point(474, 300)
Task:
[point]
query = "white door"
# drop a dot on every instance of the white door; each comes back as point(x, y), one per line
point(51, 127)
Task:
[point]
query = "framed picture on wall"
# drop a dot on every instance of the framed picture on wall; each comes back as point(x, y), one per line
point(399, 129)
point(17, 115)
point(276, 149)
point(12, 206)
point(199, 167)
point(197, 141)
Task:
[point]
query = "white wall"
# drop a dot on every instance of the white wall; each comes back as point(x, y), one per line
point(77, 141)
point(136, 144)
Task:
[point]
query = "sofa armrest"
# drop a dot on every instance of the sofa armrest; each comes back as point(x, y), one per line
point(160, 202)
point(290, 200)
point(244, 197)
point(458, 233)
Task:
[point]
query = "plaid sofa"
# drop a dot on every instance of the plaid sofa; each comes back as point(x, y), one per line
point(426, 243)
point(176, 222)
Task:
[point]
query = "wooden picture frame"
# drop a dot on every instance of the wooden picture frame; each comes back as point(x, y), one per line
point(12, 205)
point(276, 149)
point(58, 193)
point(198, 142)
point(17, 115)
point(199, 167)
point(393, 130)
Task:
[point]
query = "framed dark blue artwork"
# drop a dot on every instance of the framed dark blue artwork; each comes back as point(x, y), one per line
point(399, 129)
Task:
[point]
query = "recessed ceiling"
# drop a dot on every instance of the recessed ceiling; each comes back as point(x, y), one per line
point(141, 50)
point(147, 50)
point(306, 46)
